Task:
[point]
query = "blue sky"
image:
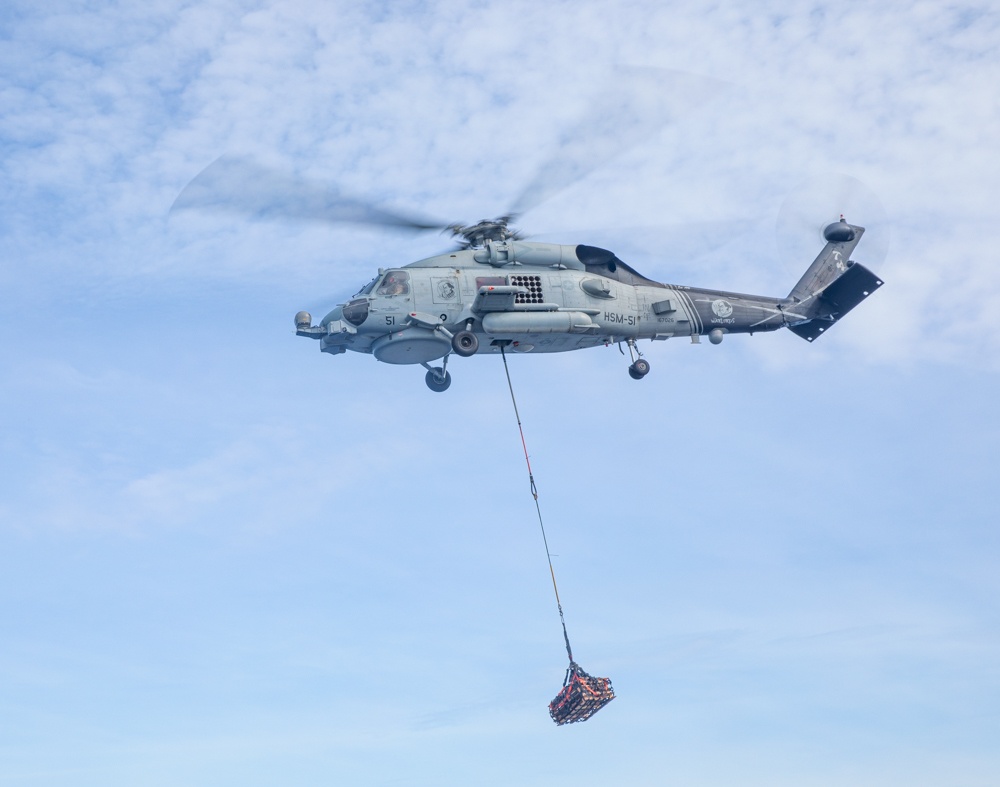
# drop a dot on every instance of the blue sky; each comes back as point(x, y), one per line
point(227, 559)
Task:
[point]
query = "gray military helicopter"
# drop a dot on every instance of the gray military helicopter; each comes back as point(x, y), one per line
point(496, 289)
point(499, 290)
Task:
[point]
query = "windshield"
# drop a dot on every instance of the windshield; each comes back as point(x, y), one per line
point(367, 289)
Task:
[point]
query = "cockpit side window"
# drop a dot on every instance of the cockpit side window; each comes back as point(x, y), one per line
point(367, 289)
point(395, 283)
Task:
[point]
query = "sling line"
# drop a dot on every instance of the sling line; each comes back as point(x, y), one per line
point(534, 494)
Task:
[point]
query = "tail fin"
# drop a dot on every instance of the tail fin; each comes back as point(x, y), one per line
point(832, 286)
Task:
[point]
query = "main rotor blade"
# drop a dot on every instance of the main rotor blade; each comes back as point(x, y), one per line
point(679, 243)
point(240, 185)
point(638, 103)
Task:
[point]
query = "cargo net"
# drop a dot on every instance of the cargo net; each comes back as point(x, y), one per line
point(581, 697)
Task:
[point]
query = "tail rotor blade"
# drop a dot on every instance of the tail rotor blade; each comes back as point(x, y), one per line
point(821, 200)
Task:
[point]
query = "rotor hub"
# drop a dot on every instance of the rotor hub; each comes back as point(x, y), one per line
point(476, 235)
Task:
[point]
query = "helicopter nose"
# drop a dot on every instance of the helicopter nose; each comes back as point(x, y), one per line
point(337, 313)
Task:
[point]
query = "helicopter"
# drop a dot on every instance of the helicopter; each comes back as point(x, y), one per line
point(499, 291)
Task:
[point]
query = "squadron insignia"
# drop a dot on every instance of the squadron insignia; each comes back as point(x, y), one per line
point(722, 308)
point(446, 290)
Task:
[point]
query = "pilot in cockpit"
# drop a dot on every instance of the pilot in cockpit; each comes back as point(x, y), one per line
point(395, 283)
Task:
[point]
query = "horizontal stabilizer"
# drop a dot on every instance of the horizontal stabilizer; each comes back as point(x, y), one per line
point(837, 299)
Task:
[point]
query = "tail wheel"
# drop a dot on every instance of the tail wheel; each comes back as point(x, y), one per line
point(465, 343)
point(639, 369)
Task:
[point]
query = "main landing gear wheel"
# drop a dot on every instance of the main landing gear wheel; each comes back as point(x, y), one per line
point(639, 369)
point(465, 343)
point(640, 366)
point(438, 379)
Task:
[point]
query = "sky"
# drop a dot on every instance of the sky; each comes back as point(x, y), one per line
point(227, 559)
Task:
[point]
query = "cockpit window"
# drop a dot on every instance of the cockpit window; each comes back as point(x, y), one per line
point(395, 283)
point(367, 289)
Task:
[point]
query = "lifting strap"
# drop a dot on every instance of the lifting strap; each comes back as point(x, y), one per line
point(534, 494)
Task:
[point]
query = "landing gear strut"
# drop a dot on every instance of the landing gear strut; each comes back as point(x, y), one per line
point(640, 366)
